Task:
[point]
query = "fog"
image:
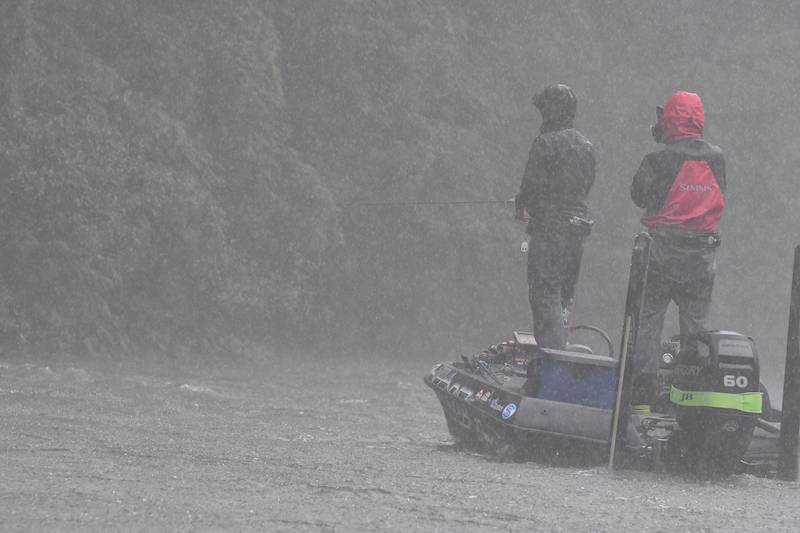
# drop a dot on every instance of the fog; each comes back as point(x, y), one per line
point(197, 179)
point(191, 176)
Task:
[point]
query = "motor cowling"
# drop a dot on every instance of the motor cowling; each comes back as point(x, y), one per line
point(723, 367)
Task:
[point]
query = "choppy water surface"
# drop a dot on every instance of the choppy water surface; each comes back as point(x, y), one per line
point(296, 445)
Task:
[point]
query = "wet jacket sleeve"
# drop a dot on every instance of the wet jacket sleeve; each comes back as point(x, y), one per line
point(536, 174)
point(719, 173)
point(642, 192)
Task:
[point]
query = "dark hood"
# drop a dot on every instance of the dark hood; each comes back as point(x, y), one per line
point(557, 104)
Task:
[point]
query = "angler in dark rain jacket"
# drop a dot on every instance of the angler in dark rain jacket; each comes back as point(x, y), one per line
point(558, 176)
point(681, 188)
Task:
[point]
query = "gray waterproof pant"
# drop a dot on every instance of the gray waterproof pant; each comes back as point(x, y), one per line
point(681, 273)
point(554, 262)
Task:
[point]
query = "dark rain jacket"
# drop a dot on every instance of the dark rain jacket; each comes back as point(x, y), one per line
point(682, 186)
point(558, 176)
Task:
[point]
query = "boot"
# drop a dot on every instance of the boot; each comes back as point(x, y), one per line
point(643, 394)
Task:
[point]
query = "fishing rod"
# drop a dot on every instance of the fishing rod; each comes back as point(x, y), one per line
point(511, 201)
point(432, 202)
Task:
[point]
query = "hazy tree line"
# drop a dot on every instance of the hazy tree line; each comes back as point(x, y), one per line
point(189, 174)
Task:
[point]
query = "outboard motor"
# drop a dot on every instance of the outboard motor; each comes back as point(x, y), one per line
point(715, 389)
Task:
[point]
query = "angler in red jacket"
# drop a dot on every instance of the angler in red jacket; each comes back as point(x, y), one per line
point(681, 187)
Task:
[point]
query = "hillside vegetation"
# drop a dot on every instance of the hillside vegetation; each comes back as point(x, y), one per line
point(191, 175)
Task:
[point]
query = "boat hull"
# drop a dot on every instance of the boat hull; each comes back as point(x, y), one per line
point(484, 416)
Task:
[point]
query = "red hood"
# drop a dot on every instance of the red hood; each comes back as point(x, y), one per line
point(683, 117)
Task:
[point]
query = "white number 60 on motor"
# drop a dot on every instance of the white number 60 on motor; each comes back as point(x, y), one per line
point(735, 381)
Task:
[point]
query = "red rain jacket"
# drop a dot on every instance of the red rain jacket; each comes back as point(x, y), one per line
point(682, 186)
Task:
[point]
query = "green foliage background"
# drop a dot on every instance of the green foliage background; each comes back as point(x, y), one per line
point(187, 175)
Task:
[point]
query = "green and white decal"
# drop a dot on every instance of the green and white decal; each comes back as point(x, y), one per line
point(746, 402)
